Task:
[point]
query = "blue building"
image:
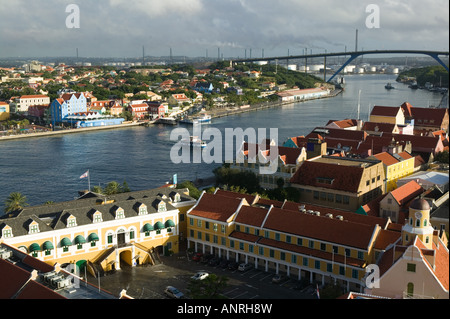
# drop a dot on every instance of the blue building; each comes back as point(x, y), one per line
point(203, 87)
point(71, 109)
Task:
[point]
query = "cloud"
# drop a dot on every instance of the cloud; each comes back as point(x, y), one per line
point(119, 28)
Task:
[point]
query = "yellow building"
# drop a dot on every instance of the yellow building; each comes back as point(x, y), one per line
point(100, 231)
point(295, 239)
point(395, 167)
point(4, 111)
point(417, 265)
point(387, 114)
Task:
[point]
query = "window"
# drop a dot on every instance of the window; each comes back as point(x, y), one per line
point(223, 229)
point(71, 221)
point(199, 223)
point(411, 267)
point(207, 225)
point(191, 233)
point(271, 253)
point(294, 259)
point(282, 255)
point(207, 237)
point(338, 198)
point(346, 200)
point(300, 241)
point(34, 228)
point(288, 239)
point(7, 232)
point(223, 241)
point(277, 236)
point(215, 227)
point(329, 267)
point(98, 217)
point(360, 255)
point(316, 195)
point(110, 239)
point(191, 221)
point(232, 243)
point(215, 239)
point(335, 249)
point(347, 252)
point(323, 246)
point(143, 210)
point(261, 251)
point(199, 235)
point(250, 248)
point(354, 273)
point(342, 270)
point(418, 223)
point(266, 234)
point(311, 244)
point(120, 213)
point(305, 261)
point(317, 264)
point(410, 289)
point(331, 197)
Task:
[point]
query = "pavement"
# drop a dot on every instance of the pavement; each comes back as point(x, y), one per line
point(149, 282)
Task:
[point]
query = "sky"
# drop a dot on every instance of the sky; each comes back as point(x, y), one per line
point(232, 28)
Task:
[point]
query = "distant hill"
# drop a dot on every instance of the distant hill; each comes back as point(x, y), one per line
point(437, 75)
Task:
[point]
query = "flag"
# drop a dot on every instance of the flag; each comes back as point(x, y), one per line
point(85, 175)
point(317, 291)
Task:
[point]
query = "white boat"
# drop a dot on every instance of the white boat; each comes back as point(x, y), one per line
point(194, 141)
point(188, 121)
point(203, 118)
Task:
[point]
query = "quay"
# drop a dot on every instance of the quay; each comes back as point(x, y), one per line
point(70, 131)
point(261, 106)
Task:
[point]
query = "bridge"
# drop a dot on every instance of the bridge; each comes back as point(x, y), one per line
point(353, 55)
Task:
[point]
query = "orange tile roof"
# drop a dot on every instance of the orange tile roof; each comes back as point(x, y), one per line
point(345, 178)
point(216, 207)
point(407, 192)
point(385, 238)
point(386, 158)
point(320, 228)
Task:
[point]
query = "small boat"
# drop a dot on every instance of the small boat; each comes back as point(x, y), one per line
point(193, 141)
point(389, 86)
point(187, 120)
point(203, 118)
point(167, 120)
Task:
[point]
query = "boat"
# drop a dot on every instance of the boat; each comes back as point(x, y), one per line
point(187, 120)
point(167, 120)
point(203, 118)
point(389, 86)
point(193, 141)
point(414, 85)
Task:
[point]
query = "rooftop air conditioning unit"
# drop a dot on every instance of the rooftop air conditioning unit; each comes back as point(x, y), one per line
point(5, 253)
point(316, 213)
point(301, 207)
point(48, 275)
point(309, 211)
point(329, 215)
point(62, 283)
point(340, 217)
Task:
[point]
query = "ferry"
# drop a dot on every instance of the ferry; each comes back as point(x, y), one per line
point(187, 120)
point(194, 141)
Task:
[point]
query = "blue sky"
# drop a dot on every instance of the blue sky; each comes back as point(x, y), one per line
point(119, 28)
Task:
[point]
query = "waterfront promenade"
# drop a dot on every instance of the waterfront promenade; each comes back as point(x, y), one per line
point(70, 131)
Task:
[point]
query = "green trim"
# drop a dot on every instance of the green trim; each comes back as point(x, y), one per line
point(48, 245)
point(93, 237)
point(80, 240)
point(147, 227)
point(35, 247)
point(169, 223)
point(66, 242)
point(159, 225)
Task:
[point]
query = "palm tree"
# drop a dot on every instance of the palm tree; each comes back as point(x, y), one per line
point(15, 201)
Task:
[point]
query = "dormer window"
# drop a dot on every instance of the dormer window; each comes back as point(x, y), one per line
point(120, 213)
point(176, 198)
point(71, 221)
point(97, 217)
point(162, 206)
point(7, 232)
point(33, 228)
point(143, 209)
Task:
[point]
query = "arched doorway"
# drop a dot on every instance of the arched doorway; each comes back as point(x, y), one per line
point(126, 258)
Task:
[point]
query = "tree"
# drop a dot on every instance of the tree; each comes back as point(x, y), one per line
point(15, 201)
point(193, 191)
point(209, 288)
point(112, 188)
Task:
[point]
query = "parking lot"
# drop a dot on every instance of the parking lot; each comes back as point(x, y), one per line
point(149, 282)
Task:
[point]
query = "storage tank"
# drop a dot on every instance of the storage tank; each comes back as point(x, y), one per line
point(292, 67)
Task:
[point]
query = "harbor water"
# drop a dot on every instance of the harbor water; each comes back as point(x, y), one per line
point(49, 168)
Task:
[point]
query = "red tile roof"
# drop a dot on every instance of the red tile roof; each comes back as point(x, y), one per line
point(216, 207)
point(407, 192)
point(345, 178)
point(386, 158)
point(388, 111)
point(320, 228)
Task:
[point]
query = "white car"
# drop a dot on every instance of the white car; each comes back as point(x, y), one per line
point(200, 275)
point(173, 292)
point(244, 267)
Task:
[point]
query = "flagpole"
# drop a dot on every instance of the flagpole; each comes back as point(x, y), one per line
point(89, 180)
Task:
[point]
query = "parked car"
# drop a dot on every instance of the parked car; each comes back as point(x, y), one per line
point(214, 261)
point(233, 265)
point(197, 257)
point(200, 275)
point(244, 267)
point(206, 258)
point(278, 278)
point(224, 264)
point(173, 292)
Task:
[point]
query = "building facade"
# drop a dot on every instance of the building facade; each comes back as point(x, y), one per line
point(98, 231)
point(292, 239)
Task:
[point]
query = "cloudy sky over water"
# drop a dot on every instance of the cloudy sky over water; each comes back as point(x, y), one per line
point(120, 28)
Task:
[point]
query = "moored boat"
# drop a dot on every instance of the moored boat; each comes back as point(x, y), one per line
point(194, 141)
point(389, 86)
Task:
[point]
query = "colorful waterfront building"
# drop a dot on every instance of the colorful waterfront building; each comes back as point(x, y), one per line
point(303, 241)
point(101, 232)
